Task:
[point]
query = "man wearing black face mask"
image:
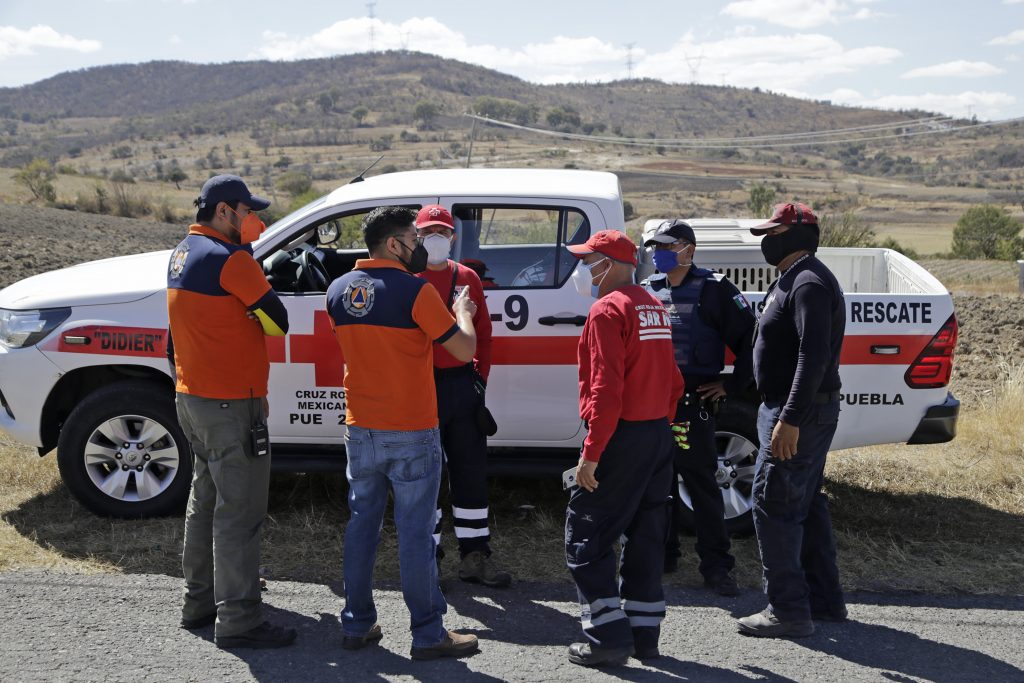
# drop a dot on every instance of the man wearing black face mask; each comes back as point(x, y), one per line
point(796, 366)
point(387, 321)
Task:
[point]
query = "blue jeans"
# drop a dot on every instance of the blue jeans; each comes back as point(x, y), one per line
point(791, 517)
point(410, 464)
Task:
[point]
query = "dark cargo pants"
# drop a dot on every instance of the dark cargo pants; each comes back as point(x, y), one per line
point(697, 466)
point(631, 502)
point(221, 559)
point(791, 517)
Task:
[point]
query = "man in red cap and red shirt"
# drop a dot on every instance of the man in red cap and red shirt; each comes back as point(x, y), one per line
point(460, 405)
point(629, 387)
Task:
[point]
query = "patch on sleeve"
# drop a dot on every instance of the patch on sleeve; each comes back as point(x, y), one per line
point(741, 301)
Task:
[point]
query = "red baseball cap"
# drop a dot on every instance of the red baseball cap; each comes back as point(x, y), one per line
point(612, 243)
point(787, 214)
point(434, 214)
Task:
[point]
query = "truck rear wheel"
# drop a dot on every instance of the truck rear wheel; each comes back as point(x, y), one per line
point(121, 452)
point(736, 443)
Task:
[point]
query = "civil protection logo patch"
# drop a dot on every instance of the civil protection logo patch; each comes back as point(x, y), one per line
point(358, 298)
point(178, 259)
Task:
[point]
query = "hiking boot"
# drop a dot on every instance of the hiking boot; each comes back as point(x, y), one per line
point(453, 645)
point(765, 624)
point(476, 567)
point(585, 655)
point(723, 584)
point(645, 653)
point(359, 642)
point(198, 622)
point(266, 635)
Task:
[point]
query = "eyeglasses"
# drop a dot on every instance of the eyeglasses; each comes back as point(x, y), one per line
point(662, 246)
point(434, 230)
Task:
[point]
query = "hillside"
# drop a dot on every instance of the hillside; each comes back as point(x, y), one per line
point(163, 127)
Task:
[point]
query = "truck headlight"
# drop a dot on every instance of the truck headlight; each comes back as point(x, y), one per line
point(26, 328)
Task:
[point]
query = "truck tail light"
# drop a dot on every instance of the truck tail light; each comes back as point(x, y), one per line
point(933, 366)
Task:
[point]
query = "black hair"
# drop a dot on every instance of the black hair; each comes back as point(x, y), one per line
point(384, 222)
point(206, 213)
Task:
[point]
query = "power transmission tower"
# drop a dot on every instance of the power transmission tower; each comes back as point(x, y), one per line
point(694, 64)
point(369, 10)
point(405, 41)
point(629, 60)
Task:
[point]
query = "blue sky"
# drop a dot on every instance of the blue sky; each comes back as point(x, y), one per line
point(957, 58)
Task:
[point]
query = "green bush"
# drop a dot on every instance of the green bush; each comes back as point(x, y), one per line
point(37, 175)
point(987, 232)
point(845, 230)
point(762, 197)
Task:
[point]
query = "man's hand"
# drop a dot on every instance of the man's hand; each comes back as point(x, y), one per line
point(711, 391)
point(784, 440)
point(266, 407)
point(585, 474)
point(463, 304)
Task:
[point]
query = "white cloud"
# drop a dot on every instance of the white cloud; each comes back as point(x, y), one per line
point(958, 69)
point(19, 42)
point(558, 60)
point(174, 40)
point(984, 105)
point(1013, 2)
point(793, 62)
point(1014, 38)
point(798, 14)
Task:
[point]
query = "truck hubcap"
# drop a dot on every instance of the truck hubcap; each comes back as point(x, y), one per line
point(131, 458)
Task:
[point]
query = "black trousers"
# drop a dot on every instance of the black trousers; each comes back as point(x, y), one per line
point(634, 479)
point(465, 450)
point(792, 519)
point(697, 467)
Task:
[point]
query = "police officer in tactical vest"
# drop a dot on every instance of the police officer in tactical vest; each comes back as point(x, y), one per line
point(707, 313)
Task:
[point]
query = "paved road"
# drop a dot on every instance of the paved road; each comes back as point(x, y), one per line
point(65, 627)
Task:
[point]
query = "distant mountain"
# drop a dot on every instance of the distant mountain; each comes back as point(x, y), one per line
point(177, 95)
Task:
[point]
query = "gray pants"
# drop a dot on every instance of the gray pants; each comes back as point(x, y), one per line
point(221, 558)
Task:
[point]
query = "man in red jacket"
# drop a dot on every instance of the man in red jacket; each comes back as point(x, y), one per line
point(460, 401)
point(629, 387)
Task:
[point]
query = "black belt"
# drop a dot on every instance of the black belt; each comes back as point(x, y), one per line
point(453, 372)
point(820, 398)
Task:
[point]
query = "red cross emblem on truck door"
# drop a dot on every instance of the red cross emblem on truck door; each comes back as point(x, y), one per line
point(321, 349)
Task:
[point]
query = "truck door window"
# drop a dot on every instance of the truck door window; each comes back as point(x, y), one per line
point(520, 246)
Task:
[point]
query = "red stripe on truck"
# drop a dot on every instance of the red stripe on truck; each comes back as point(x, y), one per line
point(875, 349)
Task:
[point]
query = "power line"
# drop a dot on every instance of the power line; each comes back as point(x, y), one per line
point(740, 142)
point(369, 10)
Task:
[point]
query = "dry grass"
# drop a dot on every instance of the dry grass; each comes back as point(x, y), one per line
point(944, 518)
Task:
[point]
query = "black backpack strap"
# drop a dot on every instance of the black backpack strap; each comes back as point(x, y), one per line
point(455, 277)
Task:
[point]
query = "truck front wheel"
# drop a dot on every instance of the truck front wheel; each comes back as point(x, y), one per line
point(121, 452)
point(736, 445)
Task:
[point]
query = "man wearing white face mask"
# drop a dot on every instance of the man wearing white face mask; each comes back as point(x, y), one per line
point(629, 388)
point(462, 414)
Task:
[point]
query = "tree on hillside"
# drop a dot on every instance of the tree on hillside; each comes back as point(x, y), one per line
point(359, 113)
point(425, 112)
point(325, 102)
point(177, 176)
point(762, 197)
point(295, 183)
point(987, 232)
point(38, 175)
point(845, 230)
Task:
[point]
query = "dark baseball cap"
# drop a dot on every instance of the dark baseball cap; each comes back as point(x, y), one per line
point(788, 214)
point(671, 231)
point(229, 188)
point(612, 243)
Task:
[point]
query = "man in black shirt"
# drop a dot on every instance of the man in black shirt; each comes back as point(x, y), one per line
point(707, 313)
point(796, 366)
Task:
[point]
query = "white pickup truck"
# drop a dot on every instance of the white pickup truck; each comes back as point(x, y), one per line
point(82, 365)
